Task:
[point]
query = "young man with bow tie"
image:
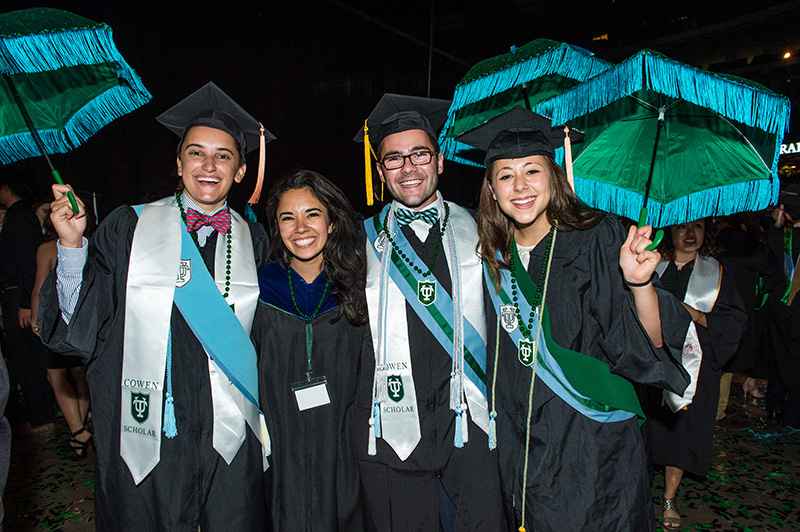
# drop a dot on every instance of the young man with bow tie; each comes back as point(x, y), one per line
point(421, 420)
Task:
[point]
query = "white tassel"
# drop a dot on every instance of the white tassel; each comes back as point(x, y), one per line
point(464, 423)
point(372, 448)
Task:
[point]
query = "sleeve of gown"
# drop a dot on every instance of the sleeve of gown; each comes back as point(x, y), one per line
point(104, 277)
point(622, 338)
point(260, 244)
point(726, 324)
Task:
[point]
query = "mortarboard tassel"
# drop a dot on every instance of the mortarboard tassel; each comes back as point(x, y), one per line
point(368, 165)
point(262, 148)
point(568, 158)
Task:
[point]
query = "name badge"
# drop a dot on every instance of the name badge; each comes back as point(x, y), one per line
point(312, 393)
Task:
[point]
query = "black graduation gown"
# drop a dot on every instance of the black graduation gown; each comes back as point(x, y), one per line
point(191, 484)
point(684, 439)
point(744, 259)
point(313, 468)
point(582, 474)
point(782, 334)
point(469, 474)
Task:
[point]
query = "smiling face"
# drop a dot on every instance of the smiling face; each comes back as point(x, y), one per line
point(304, 225)
point(208, 164)
point(412, 186)
point(521, 188)
point(687, 238)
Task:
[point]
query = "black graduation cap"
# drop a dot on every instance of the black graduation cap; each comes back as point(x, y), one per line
point(209, 106)
point(515, 134)
point(396, 113)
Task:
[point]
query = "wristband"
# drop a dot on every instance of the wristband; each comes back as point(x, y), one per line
point(637, 285)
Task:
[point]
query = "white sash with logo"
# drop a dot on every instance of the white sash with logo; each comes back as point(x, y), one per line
point(154, 267)
point(701, 294)
point(394, 389)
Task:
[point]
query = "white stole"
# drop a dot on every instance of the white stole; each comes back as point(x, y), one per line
point(701, 294)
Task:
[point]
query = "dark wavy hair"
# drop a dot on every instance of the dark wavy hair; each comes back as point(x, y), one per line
point(496, 230)
point(344, 254)
point(710, 247)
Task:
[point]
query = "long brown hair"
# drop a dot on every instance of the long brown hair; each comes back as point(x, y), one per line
point(496, 230)
point(710, 247)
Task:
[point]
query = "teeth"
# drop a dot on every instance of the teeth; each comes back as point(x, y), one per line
point(522, 202)
point(207, 180)
point(304, 241)
point(411, 183)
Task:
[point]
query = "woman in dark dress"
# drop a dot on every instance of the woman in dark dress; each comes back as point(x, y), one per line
point(309, 332)
point(681, 441)
point(580, 319)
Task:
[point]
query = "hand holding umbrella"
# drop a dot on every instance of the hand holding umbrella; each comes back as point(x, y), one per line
point(69, 223)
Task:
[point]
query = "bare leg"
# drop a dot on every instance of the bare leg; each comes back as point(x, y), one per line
point(82, 389)
point(672, 479)
point(67, 399)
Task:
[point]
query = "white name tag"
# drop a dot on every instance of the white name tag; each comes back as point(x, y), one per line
point(311, 394)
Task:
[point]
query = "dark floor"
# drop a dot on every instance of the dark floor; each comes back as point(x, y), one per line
point(753, 485)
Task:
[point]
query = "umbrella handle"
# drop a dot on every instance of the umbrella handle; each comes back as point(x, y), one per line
point(659, 236)
point(71, 197)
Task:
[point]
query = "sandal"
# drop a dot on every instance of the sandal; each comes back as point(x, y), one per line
point(670, 524)
point(79, 447)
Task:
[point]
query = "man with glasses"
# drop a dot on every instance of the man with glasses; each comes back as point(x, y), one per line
point(422, 421)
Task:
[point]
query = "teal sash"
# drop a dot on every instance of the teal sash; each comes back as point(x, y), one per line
point(583, 382)
point(438, 316)
point(214, 324)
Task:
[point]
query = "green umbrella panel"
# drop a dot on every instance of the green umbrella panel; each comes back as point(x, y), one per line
point(524, 76)
point(683, 142)
point(69, 77)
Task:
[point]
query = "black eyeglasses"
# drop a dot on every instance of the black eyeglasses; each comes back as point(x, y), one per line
point(417, 158)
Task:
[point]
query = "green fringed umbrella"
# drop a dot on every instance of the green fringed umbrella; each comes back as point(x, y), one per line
point(63, 81)
point(523, 76)
point(682, 142)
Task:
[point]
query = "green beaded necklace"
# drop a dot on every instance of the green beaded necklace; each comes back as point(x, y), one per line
point(526, 329)
point(294, 301)
point(197, 243)
point(435, 251)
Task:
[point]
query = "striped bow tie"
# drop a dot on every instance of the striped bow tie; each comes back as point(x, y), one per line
point(406, 216)
point(220, 221)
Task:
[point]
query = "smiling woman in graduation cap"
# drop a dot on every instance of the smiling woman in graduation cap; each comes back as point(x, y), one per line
point(576, 319)
point(160, 304)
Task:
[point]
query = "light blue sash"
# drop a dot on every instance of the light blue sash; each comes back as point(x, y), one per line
point(213, 322)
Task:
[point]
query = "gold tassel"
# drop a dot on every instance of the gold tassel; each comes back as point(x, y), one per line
point(568, 158)
point(368, 166)
point(262, 148)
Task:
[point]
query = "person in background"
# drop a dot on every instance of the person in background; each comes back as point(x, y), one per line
point(71, 391)
point(681, 440)
point(19, 239)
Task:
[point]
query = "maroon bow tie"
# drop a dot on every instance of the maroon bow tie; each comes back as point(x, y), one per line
point(220, 221)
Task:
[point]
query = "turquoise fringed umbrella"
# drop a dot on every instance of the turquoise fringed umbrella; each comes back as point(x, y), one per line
point(682, 142)
point(523, 76)
point(63, 81)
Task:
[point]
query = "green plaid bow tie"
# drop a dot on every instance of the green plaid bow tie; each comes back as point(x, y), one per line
point(406, 216)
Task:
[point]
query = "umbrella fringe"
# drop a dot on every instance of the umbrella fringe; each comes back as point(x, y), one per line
point(749, 105)
point(37, 52)
point(562, 59)
point(22, 146)
point(727, 199)
point(102, 110)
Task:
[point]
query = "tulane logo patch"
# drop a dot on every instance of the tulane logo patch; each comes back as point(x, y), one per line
point(380, 242)
point(184, 273)
point(426, 292)
point(526, 353)
point(395, 385)
point(140, 406)
point(508, 317)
